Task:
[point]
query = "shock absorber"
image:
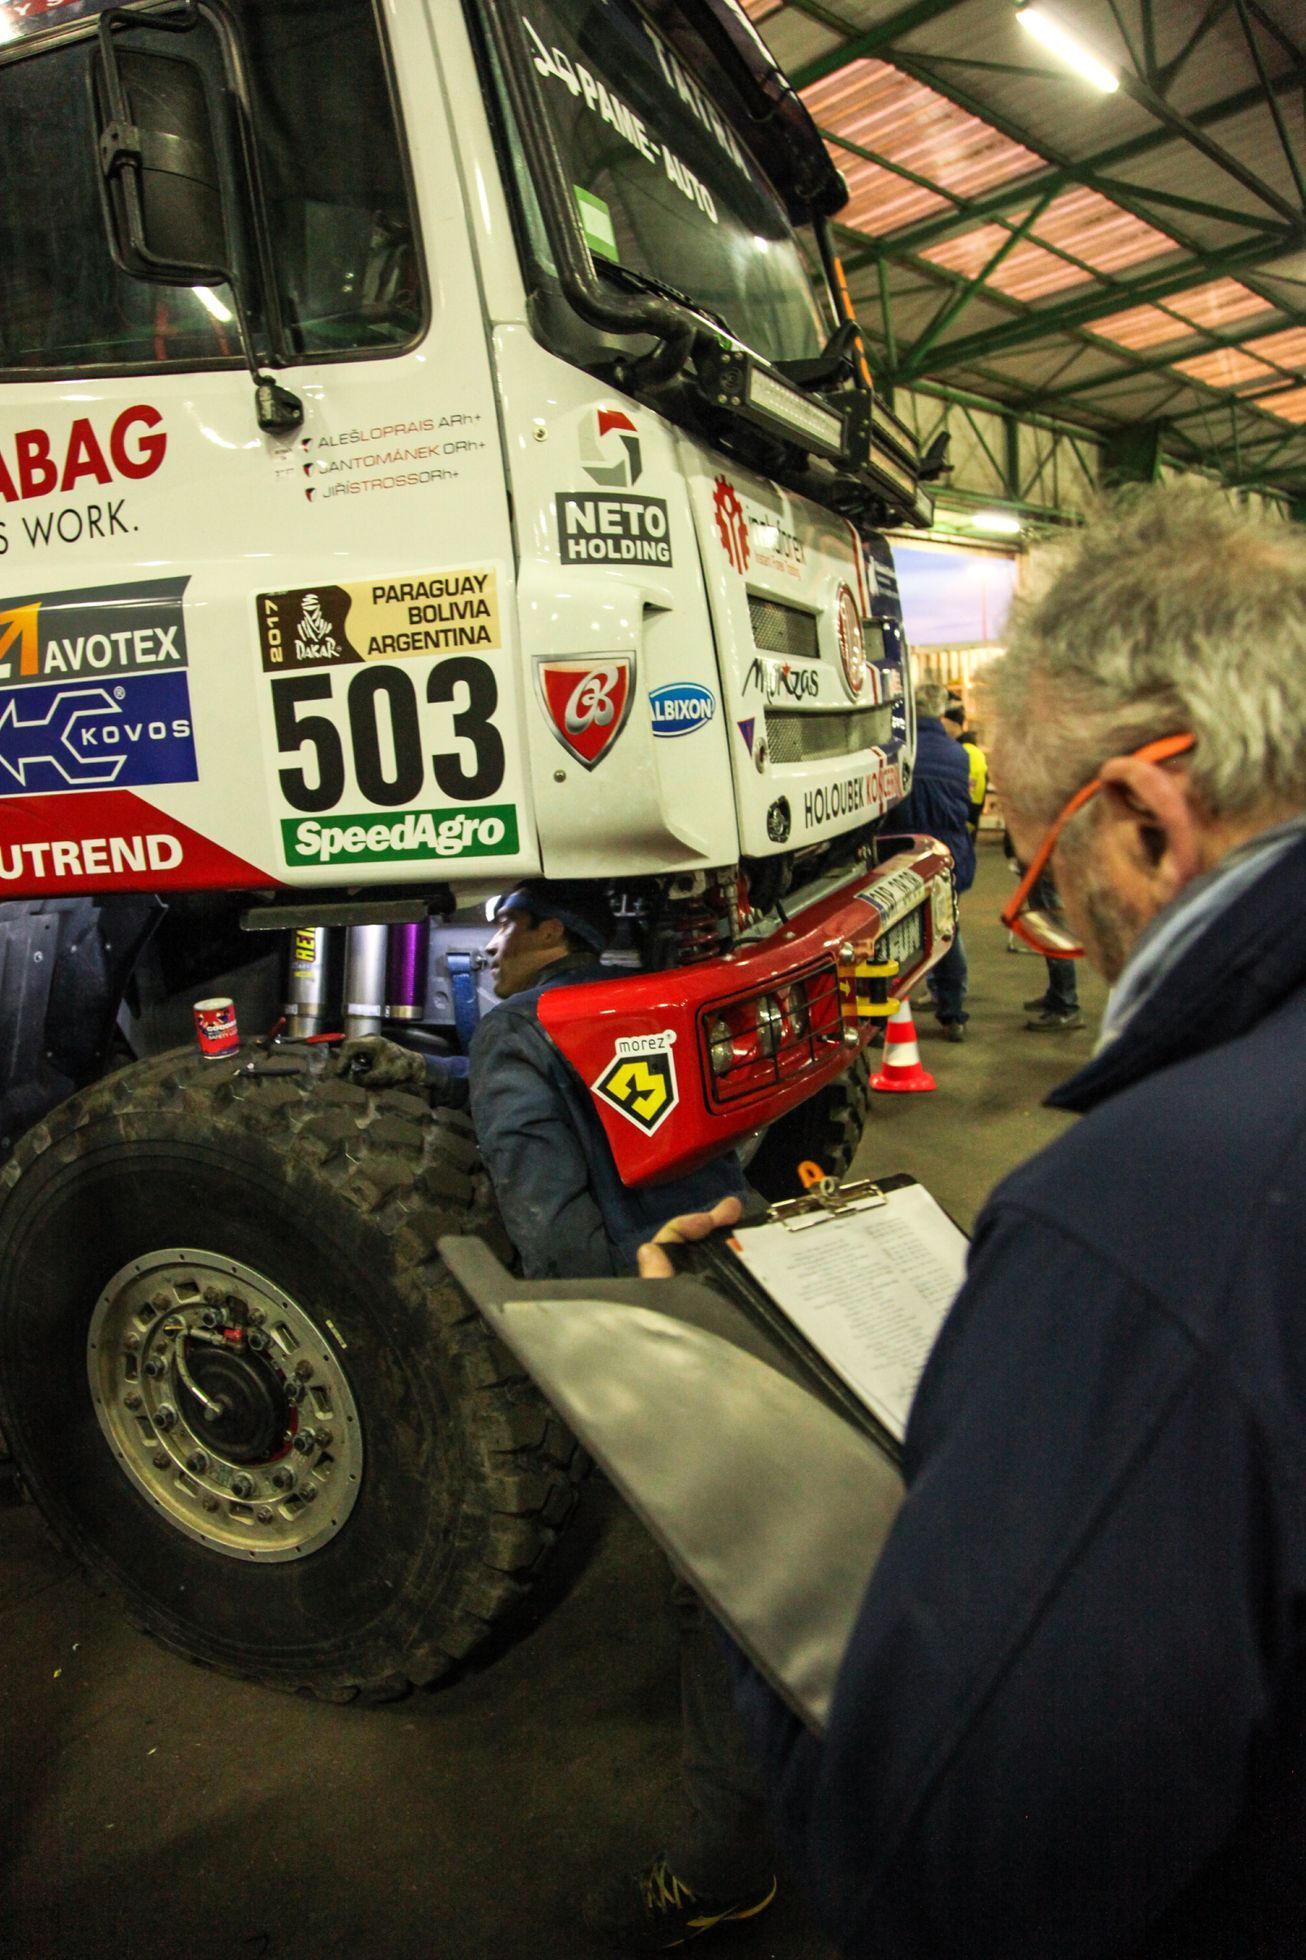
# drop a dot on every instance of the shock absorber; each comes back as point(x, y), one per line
point(365, 963)
point(405, 980)
point(305, 1005)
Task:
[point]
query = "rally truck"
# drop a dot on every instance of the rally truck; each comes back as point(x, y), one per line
point(435, 448)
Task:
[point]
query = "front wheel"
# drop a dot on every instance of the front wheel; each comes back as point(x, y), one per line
point(825, 1130)
point(241, 1386)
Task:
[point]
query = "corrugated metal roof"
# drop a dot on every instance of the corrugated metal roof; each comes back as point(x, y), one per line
point(1172, 225)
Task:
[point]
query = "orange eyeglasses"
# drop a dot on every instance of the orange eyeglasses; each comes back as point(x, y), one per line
point(1041, 928)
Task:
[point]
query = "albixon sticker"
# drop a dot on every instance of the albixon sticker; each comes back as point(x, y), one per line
point(94, 691)
point(681, 707)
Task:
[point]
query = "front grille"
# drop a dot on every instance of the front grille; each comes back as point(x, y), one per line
point(783, 630)
point(814, 737)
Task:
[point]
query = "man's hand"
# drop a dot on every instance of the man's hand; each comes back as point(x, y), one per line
point(654, 1263)
point(381, 1064)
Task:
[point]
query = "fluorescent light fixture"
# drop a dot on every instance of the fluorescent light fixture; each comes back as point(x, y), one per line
point(209, 300)
point(794, 412)
point(1079, 59)
point(1004, 523)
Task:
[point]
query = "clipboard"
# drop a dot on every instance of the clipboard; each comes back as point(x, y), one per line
point(766, 1480)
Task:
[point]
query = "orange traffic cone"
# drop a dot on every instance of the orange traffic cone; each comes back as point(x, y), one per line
point(902, 1071)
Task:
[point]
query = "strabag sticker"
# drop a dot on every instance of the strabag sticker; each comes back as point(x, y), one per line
point(94, 691)
point(640, 1081)
point(379, 619)
point(613, 530)
point(587, 701)
point(490, 830)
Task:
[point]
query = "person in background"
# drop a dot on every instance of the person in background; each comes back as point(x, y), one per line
point(569, 1215)
point(1071, 1719)
point(1056, 1010)
point(954, 722)
point(938, 805)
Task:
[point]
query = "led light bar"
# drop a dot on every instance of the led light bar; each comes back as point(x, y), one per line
point(795, 414)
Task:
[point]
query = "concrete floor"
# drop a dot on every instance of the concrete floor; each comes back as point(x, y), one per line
point(147, 1807)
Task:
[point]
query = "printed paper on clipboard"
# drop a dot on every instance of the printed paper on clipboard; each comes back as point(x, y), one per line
point(868, 1288)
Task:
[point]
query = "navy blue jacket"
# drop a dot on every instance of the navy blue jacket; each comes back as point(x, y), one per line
point(563, 1203)
point(1071, 1722)
point(938, 804)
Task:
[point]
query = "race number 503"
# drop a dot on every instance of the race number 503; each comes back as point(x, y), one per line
point(376, 732)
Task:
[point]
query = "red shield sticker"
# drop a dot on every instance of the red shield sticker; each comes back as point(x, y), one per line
point(587, 701)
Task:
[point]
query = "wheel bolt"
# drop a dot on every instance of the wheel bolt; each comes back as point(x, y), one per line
point(132, 1401)
point(132, 1342)
point(284, 1478)
point(161, 1302)
point(198, 1462)
point(256, 1316)
point(294, 1392)
point(210, 1504)
point(304, 1371)
point(258, 1340)
point(264, 1515)
point(165, 1417)
point(309, 1494)
point(305, 1441)
point(161, 1459)
point(154, 1367)
point(213, 1296)
point(210, 1317)
point(323, 1439)
point(242, 1486)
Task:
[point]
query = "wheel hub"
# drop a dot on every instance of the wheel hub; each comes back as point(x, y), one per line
point(225, 1404)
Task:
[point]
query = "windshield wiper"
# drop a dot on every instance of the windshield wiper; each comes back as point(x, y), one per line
point(645, 282)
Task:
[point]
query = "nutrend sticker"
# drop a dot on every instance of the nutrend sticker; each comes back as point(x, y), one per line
point(640, 1081)
point(94, 691)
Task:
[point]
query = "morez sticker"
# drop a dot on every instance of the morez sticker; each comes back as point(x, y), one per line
point(587, 701)
point(94, 691)
point(379, 619)
point(640, 1081)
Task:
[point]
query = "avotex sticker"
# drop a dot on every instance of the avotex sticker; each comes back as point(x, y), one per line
point(94, 691)
point(640, 1081)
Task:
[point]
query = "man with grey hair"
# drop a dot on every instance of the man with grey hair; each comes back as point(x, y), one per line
point(1071, 1720)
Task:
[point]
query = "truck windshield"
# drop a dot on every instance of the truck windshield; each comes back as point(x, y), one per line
point(663, 184)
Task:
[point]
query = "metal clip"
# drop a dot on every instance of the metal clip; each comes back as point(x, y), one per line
point(825, 1198)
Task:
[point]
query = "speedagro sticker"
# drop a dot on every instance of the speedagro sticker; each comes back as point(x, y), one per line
point(490, 830)
point(640, 1081)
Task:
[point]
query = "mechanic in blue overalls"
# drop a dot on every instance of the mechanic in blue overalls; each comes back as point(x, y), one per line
point(569, 1215)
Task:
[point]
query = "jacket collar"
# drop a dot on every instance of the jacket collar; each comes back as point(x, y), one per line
point(1250, 957)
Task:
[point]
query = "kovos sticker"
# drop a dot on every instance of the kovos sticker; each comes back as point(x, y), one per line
point(681, 707)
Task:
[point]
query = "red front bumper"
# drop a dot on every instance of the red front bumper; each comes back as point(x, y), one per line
point(782, 1017)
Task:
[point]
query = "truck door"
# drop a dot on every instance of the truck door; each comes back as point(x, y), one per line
point(230, 656)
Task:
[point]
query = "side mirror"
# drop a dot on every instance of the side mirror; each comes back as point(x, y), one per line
point(159, 165)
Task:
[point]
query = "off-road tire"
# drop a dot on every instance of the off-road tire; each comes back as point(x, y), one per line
point(825, 1130)
point(337, 1195)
